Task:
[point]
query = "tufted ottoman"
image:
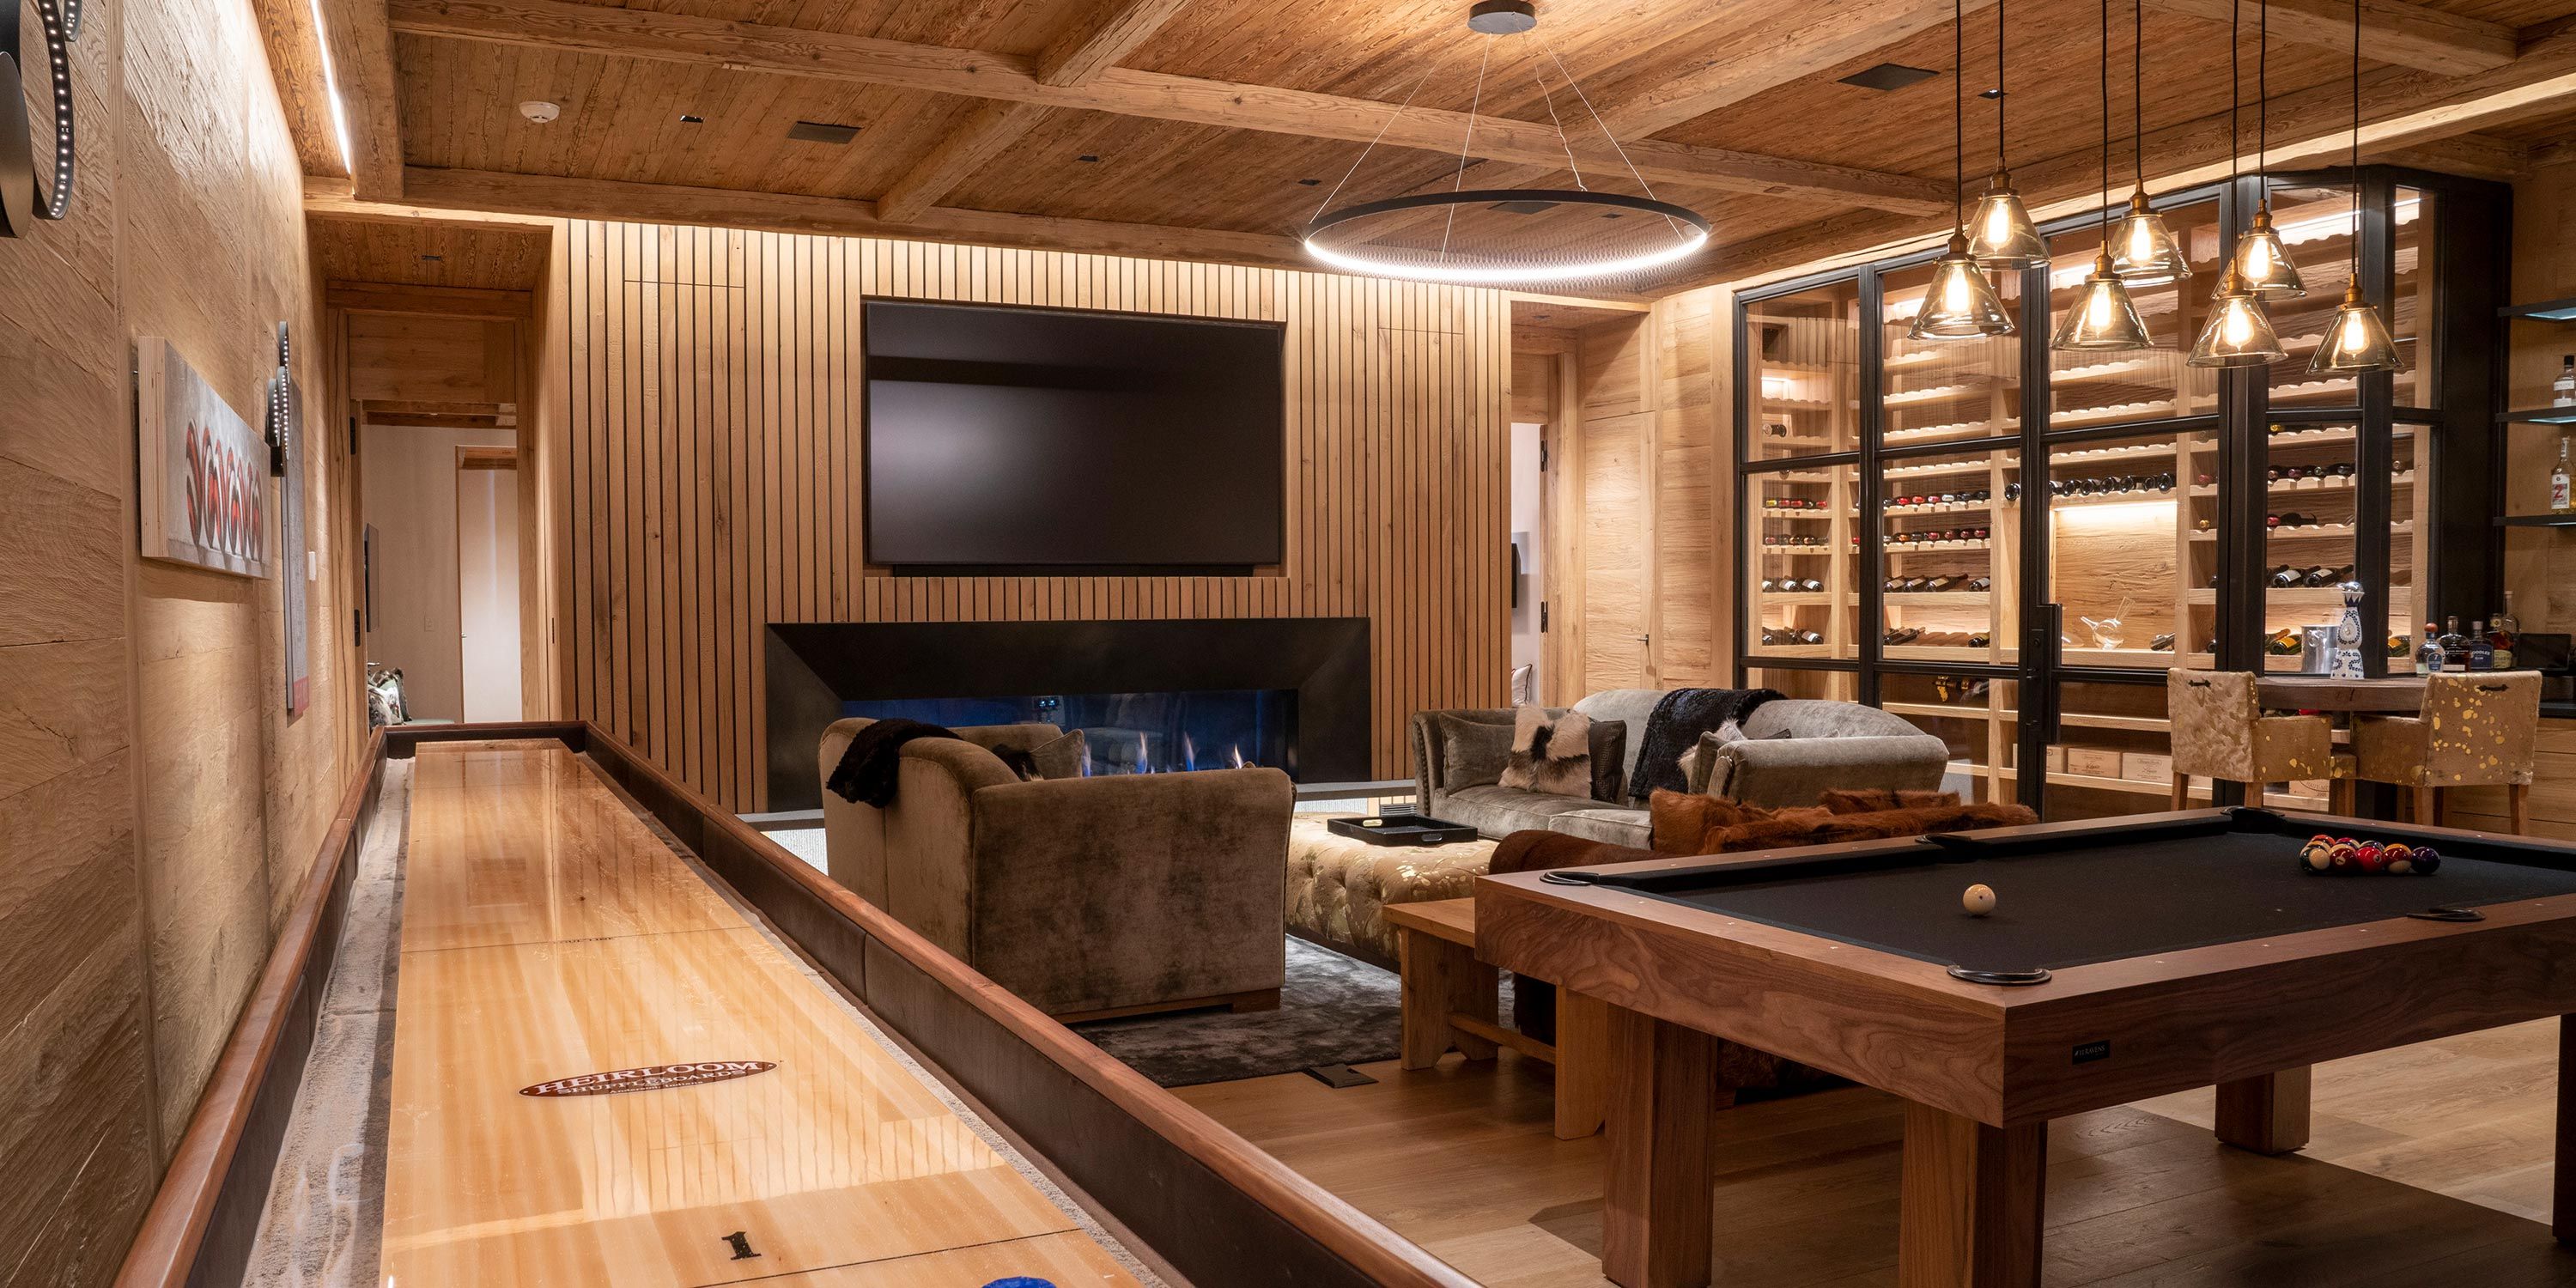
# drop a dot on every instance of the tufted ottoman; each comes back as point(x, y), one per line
point(1339, 888)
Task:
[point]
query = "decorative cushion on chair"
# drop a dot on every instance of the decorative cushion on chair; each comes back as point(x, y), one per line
point(1699, 764)
point(2475, 730)
point(1549, 756)
point(1060, 757)
point(2220, 732)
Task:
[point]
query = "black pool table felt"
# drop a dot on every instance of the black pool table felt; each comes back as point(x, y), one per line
point(2092, 902)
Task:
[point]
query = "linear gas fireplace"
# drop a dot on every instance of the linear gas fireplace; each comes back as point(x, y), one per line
point(1150, 697)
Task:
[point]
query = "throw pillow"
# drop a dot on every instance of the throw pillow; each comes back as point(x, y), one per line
point(1472, 752)
point(1871, 800)
point(1553, 757)
point(1609, 757)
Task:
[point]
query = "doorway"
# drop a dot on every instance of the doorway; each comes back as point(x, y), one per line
point(487, 582)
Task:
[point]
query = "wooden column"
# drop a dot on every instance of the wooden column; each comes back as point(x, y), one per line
point(2268, 1115)
point(1441, 979)
point(1658, 1195)
point(1969, 1213)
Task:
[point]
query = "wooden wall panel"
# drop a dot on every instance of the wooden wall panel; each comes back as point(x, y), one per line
point(404, 358)
point(154, 798)
point(709, 446)
point(2539, 563)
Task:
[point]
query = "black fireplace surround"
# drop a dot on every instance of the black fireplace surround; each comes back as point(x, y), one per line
point(815, 668)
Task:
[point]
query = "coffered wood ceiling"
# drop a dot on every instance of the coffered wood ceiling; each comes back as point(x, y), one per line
point(1213, 129)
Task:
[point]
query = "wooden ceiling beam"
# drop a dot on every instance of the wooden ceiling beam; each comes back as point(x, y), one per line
point(1109, 31)
point(362, 63)
point(432, 301)
point(671, 37)
point(2403, 108)
point(2393, 31)
point(1796, 40)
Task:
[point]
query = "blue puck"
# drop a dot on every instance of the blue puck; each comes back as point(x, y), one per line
point(1019, 1281)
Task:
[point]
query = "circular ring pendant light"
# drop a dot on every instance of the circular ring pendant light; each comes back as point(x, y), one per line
point(1504, 236)
point(24, 195)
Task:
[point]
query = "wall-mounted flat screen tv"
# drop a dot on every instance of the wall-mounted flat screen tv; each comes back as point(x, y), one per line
point(1050, 438)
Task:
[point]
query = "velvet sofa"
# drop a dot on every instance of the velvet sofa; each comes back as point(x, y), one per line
point(1794, 749)
point(1085, 896)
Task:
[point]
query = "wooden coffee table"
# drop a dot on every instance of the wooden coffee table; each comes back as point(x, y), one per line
point(1449, 1003)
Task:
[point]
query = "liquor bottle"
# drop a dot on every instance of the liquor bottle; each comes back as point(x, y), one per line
point(2455, 647)
point(2562, 391)
point(2500, 633)
point(2481, 653)
point(2559, 500)
point(2428, 655)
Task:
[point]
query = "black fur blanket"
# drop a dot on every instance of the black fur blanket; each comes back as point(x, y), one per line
point(1679, 719)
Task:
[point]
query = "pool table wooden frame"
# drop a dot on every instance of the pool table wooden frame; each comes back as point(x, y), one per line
point(1984, 1068)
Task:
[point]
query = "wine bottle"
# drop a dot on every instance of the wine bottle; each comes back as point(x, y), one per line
point(2562, 391)
point(2560, 502)
point(2285, 576)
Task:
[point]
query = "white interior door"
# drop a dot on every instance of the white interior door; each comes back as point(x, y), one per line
point(487, 586)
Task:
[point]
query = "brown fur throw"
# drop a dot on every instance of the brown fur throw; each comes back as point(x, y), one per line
point(1686, 824)
point(1550, 756)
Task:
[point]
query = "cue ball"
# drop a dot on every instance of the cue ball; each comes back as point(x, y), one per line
point(1978, 900)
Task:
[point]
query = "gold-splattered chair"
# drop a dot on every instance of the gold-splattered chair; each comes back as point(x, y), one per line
point(2220, 733)
point(2474, 731)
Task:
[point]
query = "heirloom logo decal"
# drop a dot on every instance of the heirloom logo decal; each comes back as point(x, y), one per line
point(652, 1077)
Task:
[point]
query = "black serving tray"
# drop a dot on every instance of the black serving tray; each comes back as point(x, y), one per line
point(1402, 829)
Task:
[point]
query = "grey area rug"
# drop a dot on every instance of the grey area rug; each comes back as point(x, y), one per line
point(1332, 1010)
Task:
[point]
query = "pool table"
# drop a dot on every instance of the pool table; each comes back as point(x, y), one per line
point(2125, 958)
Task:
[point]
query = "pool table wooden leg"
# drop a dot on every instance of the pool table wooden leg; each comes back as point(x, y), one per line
point(1582, 1063)
point(1970, 1205)
point(2268, 1114)
point(1660, 1191)
point(2562, 1198)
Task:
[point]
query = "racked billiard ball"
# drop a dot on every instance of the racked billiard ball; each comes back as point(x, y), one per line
point(2398, 857)
point(2317, 855)
point(2367, 856)
point(1978, 900)
point(2426, 860)
point(2345, 857)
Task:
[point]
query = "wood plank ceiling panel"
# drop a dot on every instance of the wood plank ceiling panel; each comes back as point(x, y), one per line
point(482, 257)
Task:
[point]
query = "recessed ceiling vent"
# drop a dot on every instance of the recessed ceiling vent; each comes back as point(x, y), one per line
point(822, 132)
point(1889, 76)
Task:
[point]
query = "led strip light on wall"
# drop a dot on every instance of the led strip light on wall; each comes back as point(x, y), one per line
point(24, 198)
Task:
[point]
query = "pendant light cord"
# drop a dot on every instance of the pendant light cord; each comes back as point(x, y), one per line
point(2235, 84)
point(2106, 127)
point(2137, 89)
point(1959, 115)
point(2000, 92)
point(2356, 140)
point(2263, 98)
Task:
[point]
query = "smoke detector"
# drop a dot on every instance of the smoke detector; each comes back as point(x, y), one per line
point(540, 111)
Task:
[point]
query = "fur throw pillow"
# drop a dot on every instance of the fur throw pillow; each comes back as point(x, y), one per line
point(1871, 800)
point(1550, 756)
point(1681, 823)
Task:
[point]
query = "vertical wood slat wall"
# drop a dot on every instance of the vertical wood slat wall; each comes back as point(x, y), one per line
point(709, 473)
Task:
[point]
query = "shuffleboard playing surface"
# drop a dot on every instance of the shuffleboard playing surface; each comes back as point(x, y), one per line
point(550, 937)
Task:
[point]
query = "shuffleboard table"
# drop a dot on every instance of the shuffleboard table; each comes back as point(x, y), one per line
point(2124, 958)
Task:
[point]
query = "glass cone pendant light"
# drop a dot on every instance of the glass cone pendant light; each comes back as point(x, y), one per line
point(2239, 333)
point(2144, 252)
point(2356, 340)
point(2102, 316)
point(1960, 304)
point(2002, 234)
point(2263, 264)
